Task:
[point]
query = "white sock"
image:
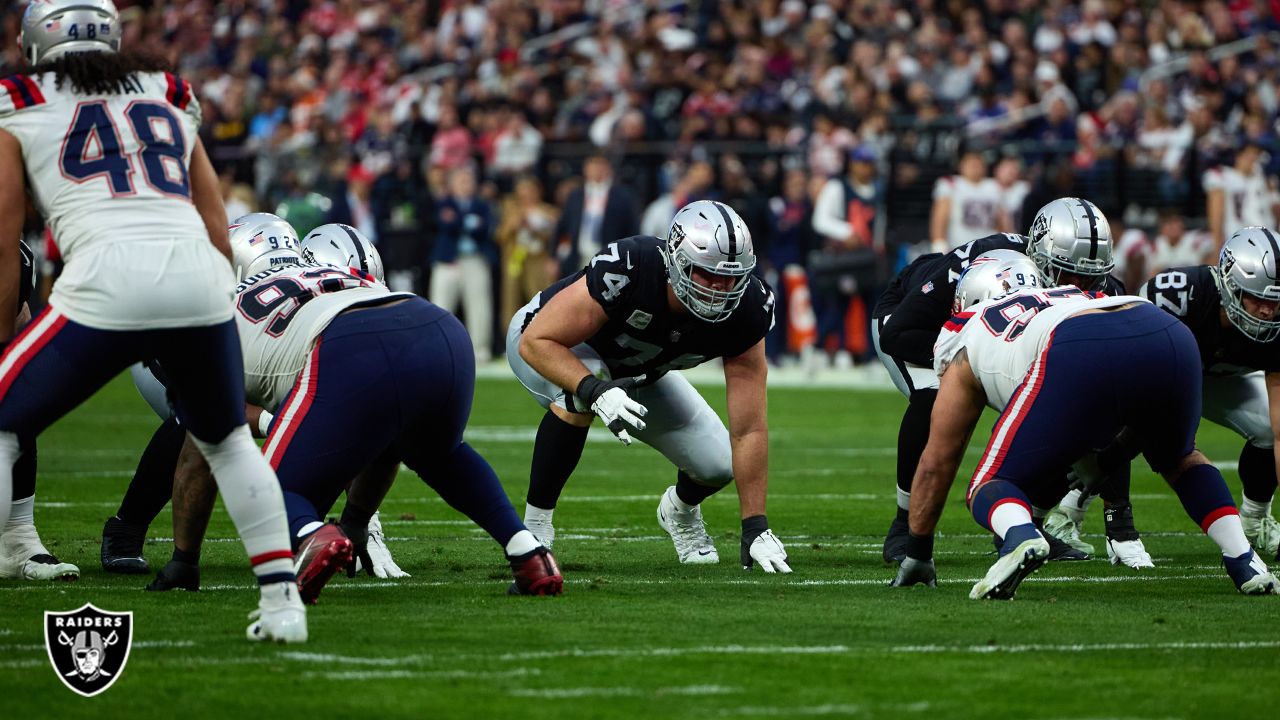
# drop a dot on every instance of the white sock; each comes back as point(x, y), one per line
point(1228, 533)
point(21, 512)
point(310, 528)
point(253, 499)
point(9, 452)
point(1254, 509)
point(1074, 506)
point(904, 499)
point(1007, 515)
point(521, 543)
point(537, 514)
point(680, 505)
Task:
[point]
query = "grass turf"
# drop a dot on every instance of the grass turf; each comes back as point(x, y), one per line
point(636, 634)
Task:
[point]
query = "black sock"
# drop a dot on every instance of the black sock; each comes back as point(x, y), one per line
point(556, 452)
point(152, 485)
point(690, 492)
point(182, 556)
point(1115, 489)
point(913, 434)
point(904, 514)
point(24, 469)
point(1257, 473)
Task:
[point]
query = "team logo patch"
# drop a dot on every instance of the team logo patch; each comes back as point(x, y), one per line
point(88, 647)
point(639, 319)
point(927, 287)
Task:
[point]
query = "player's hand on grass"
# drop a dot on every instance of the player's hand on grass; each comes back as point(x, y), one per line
point(915, 572)
point(760, 545)
point(384, 566)
point(609, 400)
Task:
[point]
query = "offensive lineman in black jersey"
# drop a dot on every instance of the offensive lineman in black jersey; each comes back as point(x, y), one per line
point(1070, 243)
point(1233, 310)
point(604, 342)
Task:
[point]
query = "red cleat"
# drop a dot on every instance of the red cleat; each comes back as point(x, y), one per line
point(322, 553)
point(536, 573)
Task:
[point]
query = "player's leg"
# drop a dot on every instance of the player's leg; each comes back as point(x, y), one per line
point(22, 554)
point(1240, 403)
point(207, 382)
point(561, 435)
point(194, 494)
point(920, 385)
point(683, 427)
point(150, 489)
point(433, 448)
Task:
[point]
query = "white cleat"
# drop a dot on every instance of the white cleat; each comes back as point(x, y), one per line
point(280, 617)
point(1264, 584)
point(24, 557)
point(1130, 553)
point(1058, 524)
point(1263, 532)
point(1003, 578)
point(687, 530)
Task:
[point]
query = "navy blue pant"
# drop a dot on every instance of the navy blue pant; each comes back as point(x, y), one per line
point(55, 364)
point(395, 379)
point(1100, 372)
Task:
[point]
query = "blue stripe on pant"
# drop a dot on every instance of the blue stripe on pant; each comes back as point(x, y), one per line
point(1138, 367)
point(388, 381)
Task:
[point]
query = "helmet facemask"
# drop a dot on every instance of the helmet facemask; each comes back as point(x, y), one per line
point(703, 300)
point(1233, 293)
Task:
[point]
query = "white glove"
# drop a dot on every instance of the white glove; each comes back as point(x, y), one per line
point(608, 399)
point(384, 566)
point(760, 545)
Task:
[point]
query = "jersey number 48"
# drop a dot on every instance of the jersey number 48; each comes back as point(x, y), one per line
point(92, 148)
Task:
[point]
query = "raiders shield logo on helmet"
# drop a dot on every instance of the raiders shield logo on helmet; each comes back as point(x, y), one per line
point(88, 647)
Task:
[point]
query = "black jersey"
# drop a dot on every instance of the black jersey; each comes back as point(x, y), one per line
point(920, 298)
point(1191, 293)
point(643, 336)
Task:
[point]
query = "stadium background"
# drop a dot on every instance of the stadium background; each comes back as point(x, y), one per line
point(361, 112)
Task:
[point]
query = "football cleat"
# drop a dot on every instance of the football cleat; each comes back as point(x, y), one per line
point(1059, 551)
point(122, 548)
point(1058, 525)
point(1250, 574)
point(24, 557)
point(1130, 553)
point(1263, 532)
point(176, 575)
point(1023, 552)
point(536, 573)
point(895, 542)
point(281, 617)
point(687, 530)
point(320, 555)
point(541, 529)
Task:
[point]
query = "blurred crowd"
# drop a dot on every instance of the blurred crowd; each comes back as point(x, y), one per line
point(488, 146)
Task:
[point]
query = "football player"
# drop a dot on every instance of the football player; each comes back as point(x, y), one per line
point(22, 555)
point(1032, 353)
point(107, 145)
point(1070, 243)
point(604, 342)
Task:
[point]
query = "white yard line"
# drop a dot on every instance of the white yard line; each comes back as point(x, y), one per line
point(624, 691)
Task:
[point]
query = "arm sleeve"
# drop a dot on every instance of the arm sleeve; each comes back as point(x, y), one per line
point(912, 329)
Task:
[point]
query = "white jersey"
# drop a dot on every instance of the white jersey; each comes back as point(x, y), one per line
point(1248, 199)
point(281, 312)
point(110, 175)
point(974, 207)
point(1004, 336)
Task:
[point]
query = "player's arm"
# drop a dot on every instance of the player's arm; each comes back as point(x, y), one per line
point(1273, 408)
point(207, 197)
point(1215, 208)
point(912, 328)
point(13, 211)
point(744, 379)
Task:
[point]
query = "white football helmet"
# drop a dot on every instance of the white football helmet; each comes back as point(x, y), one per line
point(52, 28)
point(993, 274)
point(1248, 264)
point(260, 241)
point(1070, 235)
point(344, 246)
point(709, 238)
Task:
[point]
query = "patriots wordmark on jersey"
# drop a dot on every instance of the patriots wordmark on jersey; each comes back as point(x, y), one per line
point(643, 335)
point(1192, 294)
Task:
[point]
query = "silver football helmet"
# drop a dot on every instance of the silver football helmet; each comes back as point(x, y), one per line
point(260, 241)
point(344, 246)
point(709, 242)
point(1248, 264)
point(993, 274)
point(1070, 235)
point(52, 28)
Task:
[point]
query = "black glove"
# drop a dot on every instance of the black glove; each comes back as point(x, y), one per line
point(915, 572)
point(355, 525)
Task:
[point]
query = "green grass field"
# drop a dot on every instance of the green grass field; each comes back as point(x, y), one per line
point(635, 634)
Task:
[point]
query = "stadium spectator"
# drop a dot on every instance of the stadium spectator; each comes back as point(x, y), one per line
point(693, 184)
point(463, 259)
point(965, 206)
point(597, 213)
point(524, 237)
point(1240, 195)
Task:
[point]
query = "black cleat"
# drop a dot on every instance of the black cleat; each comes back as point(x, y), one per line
point(895, 543)
point(122, 548)
point(176, 575)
